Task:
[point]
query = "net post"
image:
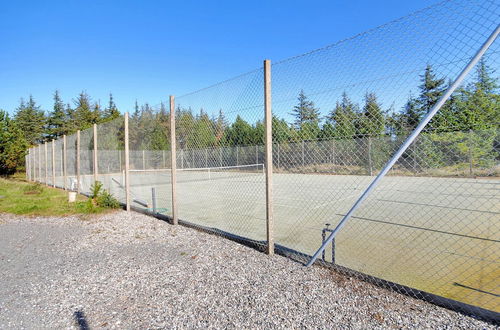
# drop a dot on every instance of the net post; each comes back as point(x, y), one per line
point(78, 161)
point(127, 165)
point(95, 154)
point(64, 163)
point(46, 164)
point(53, 163)
point(269, 157)
point(173, 160)
point(143, 159)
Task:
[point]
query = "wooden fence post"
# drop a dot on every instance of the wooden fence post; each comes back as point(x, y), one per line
point(96, 172)
point(46, 164)
point(53, 163)
point(65, 167)
point(127, 165)
point(173, 160)
point(269, 157)
point(78, 161)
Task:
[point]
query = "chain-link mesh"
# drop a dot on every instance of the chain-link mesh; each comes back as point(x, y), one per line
point(86, 160)
point(150, 175)
point(71, 159)
point(59, 163)
point(221, 181)
point(111, 157)
point(343, 111)
point(339, 114)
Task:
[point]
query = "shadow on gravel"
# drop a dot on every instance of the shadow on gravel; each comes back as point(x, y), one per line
point(80, 320)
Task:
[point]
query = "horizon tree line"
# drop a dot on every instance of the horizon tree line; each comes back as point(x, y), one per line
point(474, 106)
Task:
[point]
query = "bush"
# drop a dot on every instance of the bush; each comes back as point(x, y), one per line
point(101, 198)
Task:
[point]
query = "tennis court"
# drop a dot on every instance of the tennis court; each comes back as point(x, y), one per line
point(438, 235)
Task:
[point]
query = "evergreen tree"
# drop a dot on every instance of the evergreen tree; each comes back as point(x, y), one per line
point(485, 80)
point(239, 133)
point(372, 120)
point(31, 120)
point(220, 125)
point(111, 112)
point(343, 118)
point(13, 145)
point(307, 117)
point(83, 112)
point(71, 124)
point(56, 121)
point(281, 130)
point(202, 135)
point(431, 90)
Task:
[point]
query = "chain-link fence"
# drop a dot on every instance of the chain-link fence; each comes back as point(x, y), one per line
point(430, 229)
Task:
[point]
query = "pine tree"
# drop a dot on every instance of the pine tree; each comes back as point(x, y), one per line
point(83, 112)
point(56, 121)
point(31, 120)
point(13, 145)
point(372, 120)
point(485, 80)
point(307, 117)
point(431, 90)
point(239, 133)
point(111, 112)
point(71, 124)
point(220, 126)
point(343, 118)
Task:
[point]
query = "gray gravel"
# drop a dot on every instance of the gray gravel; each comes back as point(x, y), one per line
point(133, 271)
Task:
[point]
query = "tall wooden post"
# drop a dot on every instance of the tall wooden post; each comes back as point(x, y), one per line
point(39, 163)
point(53, 163)
point(173, 161)
point(78, 161)
point(127, 165)
point(26, 166)
point(96, 172)
point(269, 157)
point(65, 167)
point(46, 164)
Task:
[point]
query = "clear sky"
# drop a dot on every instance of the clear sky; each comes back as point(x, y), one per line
point(146, 50)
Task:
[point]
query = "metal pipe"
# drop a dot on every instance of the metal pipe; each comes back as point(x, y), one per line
point(409, 140)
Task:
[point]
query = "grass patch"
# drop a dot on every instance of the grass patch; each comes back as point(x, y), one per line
point(20, 197)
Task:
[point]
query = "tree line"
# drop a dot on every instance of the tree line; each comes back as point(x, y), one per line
point(475, 106)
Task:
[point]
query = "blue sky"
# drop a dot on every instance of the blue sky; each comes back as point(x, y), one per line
point(146, 50)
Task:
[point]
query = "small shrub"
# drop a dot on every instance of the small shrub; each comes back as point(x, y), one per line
point(33, 189)
point(99, 197)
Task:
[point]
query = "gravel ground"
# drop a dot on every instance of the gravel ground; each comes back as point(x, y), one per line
point(132, 271)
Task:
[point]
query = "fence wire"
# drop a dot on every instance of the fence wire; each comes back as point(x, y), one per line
point(339, 114)
point(221, 181)
point(111, 157)
point(150, 175)
point(432, 225)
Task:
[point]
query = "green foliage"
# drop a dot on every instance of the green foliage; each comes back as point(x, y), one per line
point(31, 120)
point(13, 145)
point(472, 107)
point(371, 120)
point(343, 118)
point(99, 197)
point(307, 117)
point(36, 200)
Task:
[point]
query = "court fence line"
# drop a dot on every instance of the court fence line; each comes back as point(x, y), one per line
point(429, 230)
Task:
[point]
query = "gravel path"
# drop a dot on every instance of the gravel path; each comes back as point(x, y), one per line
point(134, 271)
